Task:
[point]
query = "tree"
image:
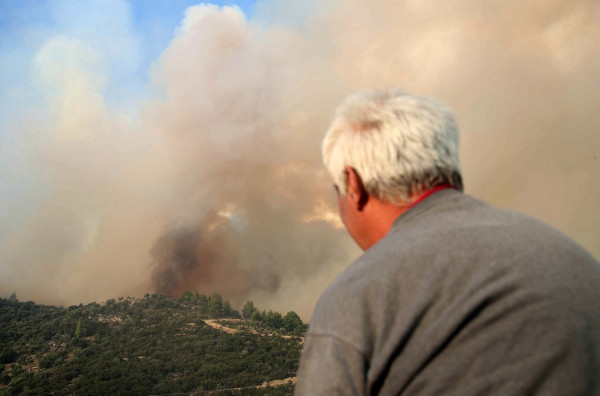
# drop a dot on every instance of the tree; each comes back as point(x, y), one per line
point(186, 296)
point(78, 329)
point(256, 316)
point(8, 355)
point(230, 312)
point(291, 322)
point(248, 309)
point(273, 320)
point(215, 305)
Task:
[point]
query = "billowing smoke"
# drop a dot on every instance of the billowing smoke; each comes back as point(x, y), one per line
point(210, 177)
point(199, 258)
point(180, 261)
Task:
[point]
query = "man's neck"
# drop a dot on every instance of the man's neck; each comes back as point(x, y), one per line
point(416, 199)
point(381, 215)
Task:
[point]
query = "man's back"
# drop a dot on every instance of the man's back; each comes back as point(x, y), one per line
point(459, 298)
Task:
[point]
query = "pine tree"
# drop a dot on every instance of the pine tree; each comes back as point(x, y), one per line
point(78, 329)
point(248, 309)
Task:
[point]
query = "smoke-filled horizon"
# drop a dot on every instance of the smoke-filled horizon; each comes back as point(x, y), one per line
point(207, 175)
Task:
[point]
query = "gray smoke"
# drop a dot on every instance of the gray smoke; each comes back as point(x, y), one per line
point(215, 182)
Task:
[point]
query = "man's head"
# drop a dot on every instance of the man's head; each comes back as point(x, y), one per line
point(400, 145)
point(385, 149)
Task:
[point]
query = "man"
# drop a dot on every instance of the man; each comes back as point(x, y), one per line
point(452, 296)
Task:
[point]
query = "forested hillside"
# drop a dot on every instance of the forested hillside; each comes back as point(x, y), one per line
point(153, 345)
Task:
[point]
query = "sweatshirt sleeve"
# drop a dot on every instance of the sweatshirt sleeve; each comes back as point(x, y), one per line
point(330, 366)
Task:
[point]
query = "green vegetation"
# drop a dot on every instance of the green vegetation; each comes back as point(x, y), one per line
point(290, 324)
point(153, 345)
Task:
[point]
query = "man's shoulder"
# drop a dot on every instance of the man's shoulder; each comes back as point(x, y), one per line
point(450, 218)
point(346, 289)
point(453, 209)
point(498, 275)
point(452, 234)
point(345, 308)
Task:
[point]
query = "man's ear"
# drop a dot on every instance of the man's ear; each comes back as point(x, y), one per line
point(356, 190)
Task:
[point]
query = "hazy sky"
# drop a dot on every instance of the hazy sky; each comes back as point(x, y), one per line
point(169, 145)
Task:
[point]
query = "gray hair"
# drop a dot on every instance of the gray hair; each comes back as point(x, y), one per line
point(401, 145)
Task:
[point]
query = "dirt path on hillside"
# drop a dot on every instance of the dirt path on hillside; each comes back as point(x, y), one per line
point(213, 323)
point(278, 382)
point(264, 385)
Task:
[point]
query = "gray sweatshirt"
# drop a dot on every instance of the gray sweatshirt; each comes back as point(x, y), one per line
point(460, 298)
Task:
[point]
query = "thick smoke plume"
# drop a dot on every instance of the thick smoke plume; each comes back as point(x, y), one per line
point(213, 180)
